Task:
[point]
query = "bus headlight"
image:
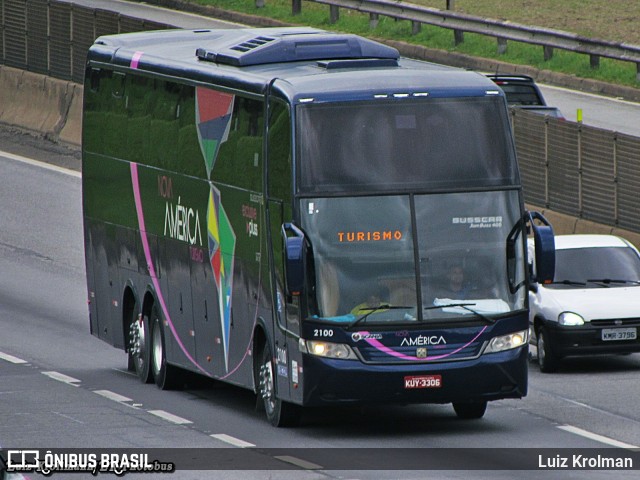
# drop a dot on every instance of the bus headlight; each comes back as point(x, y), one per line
point(330, 350)
point(507, 342)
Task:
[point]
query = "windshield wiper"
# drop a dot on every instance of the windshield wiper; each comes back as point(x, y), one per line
point(382, 306)
point(608, 281)
point(466, 306)
point(567, 282)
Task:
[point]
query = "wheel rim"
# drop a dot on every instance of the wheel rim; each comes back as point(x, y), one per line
point(138, 342)
point(157, 350)
point(266, 386)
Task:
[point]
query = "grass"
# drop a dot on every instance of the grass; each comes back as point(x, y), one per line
point(614, 20)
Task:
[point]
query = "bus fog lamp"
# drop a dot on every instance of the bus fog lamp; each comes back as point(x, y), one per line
point(330, 350)
point(507, 342)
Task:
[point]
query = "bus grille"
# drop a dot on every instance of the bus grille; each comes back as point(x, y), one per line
point(416, 353)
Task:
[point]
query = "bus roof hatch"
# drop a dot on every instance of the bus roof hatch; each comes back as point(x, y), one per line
point(287, 46)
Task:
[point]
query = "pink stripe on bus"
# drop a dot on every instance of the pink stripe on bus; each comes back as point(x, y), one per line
point(136, 59)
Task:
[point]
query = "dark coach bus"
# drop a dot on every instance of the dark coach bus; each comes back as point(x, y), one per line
point(307, 215)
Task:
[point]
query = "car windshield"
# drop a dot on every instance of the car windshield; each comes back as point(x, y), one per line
point(410, 258)
point(596, 267)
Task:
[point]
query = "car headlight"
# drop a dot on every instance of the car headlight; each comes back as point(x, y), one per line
point(507, 342)
point(328, 349)
point(570, 318)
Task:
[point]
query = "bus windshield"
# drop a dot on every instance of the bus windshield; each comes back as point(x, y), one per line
point(422, 143)
point(409, 258)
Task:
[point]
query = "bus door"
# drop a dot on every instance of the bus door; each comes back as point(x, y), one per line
point(286, 325)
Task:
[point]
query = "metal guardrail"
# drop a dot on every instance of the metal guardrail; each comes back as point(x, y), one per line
point(565, 166)
point(501, 30)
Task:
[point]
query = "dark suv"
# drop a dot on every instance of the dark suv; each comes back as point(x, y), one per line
point(522, 92)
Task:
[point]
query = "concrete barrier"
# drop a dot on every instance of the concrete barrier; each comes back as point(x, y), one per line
point(41, 104)
point(564, 224)
point(71, 131)
point(633, 237)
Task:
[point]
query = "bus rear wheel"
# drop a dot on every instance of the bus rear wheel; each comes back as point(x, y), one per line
point(165, 375)
point(279, 413)
point(139, 348)
point(470, 410)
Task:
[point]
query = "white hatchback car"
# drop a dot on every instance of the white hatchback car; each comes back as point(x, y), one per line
point(593, 304)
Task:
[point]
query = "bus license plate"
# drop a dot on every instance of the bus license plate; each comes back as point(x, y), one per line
point(609, 334)
point(423, 381)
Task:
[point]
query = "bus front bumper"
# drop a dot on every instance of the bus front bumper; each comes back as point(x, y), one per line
point(350, 382)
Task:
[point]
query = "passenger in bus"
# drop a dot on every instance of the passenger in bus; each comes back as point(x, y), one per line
point(454, 284)
point(377, 301)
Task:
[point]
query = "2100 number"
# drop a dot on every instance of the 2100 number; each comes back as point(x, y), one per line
point(322, 332)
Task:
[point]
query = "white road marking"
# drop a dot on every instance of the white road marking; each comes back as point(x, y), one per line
point(61, 377)
point(596, 437)
point(11, 358)
point(116, 397)
point(298, 462)
point(223, 437)
point(69, 417)
point(169, 417)
point(37, 163)
point(122, 370)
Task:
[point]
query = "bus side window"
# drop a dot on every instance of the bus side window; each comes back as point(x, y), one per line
point(95, 108)
point(94, 79)
point(139, 91)
point(279, 175)
point(164, 128)
point(279, 183)
point(117, 87)
point(189, 153)
point(242, 150)
point(113, 124)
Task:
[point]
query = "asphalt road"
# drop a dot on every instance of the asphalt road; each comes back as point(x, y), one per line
point(597, 111)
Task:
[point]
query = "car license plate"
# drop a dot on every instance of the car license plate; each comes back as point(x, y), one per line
point(423, 381)
point(609, 334)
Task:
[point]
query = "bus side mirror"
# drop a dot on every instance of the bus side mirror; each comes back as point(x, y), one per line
point(294, 249)
point(545, 248)
point(512, 260)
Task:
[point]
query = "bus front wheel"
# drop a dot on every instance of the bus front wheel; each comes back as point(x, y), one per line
point(279, 413)
point(470, 410)
point(140, 349)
